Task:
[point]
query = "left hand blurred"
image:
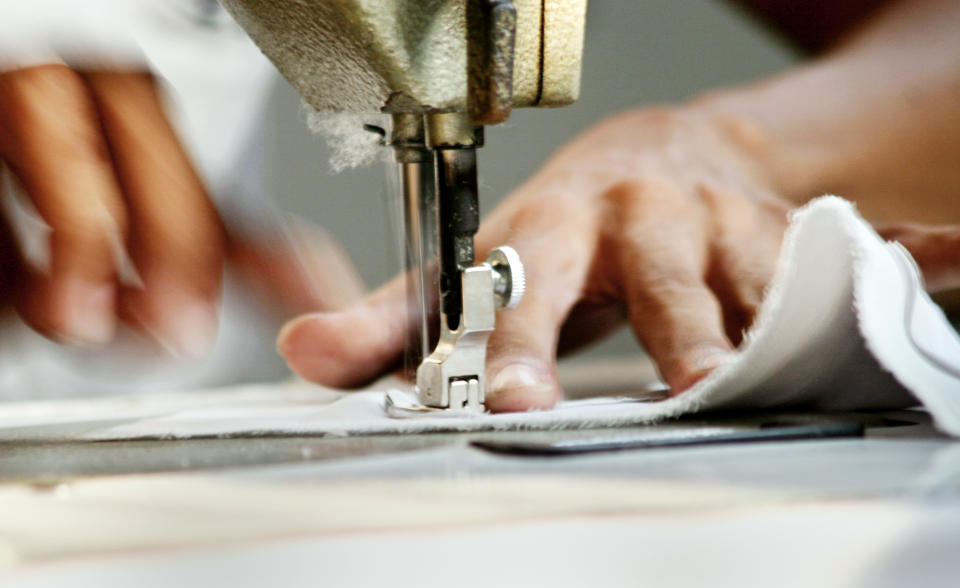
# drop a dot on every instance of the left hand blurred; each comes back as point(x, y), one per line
point(102, 166)
point(100, 163)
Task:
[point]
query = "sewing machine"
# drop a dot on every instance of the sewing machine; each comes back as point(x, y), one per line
point(287, 510)
point(442, 70)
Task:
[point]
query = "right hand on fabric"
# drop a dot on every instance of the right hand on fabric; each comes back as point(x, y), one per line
point(672, 218)
point(665, 218)
point(659, 217)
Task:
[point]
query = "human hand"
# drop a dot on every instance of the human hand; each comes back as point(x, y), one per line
point(133, 236)
point(663, 218)
point(673, 218)
point(103, 168)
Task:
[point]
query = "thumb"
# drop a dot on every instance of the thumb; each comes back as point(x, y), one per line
point(349, 348)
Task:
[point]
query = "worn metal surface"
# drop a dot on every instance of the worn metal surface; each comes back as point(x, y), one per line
point(907, 433)
point(490, 55)
point(412, 55)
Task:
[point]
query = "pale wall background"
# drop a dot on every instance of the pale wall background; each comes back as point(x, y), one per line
point(636, 52)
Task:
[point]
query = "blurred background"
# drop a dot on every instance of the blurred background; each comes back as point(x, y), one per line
point(637, 52)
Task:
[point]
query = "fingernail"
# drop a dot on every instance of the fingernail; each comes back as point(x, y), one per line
point(697, 365)
point(515, 376)
point(189, 330)
point(90, 316)
point(291, 326)
point(520, 387)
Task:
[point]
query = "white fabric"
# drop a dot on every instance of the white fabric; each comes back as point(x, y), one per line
point(845, 325)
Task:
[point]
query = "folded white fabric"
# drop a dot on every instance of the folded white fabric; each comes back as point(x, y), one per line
point(845, 324)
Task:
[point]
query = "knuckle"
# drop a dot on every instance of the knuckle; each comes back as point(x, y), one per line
point(185, 248)
point(548, 210)
point(87, 223)
point(21, 86)
point(654, 119)
point(83, 145)
point(624, 195)
point(30, 93)
point(648, 197)
point(711, 195)
point(663, 288)
point(47, 112)
point(726, 204)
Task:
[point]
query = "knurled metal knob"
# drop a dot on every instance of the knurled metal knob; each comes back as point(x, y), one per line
point(509, 281)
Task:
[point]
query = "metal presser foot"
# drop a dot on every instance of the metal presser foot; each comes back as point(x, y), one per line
point(452, 375)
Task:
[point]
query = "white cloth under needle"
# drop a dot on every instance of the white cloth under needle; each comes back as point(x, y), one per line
point(845, 325)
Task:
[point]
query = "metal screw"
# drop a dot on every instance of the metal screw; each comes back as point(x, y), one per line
point(509, 280)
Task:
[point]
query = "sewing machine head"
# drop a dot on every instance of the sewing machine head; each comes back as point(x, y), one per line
point(442, 69)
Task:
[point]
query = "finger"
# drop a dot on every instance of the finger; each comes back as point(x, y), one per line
point(664, 254)
point(936, 250)
point(521, 353)
point(51, 139)
point(746, 237)
point(349, 348)
point(176, 240)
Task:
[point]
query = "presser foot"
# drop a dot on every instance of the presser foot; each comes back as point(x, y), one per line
point(453, 376)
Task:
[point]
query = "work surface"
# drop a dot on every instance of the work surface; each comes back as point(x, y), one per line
point(301, 486)
point(873, 511)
